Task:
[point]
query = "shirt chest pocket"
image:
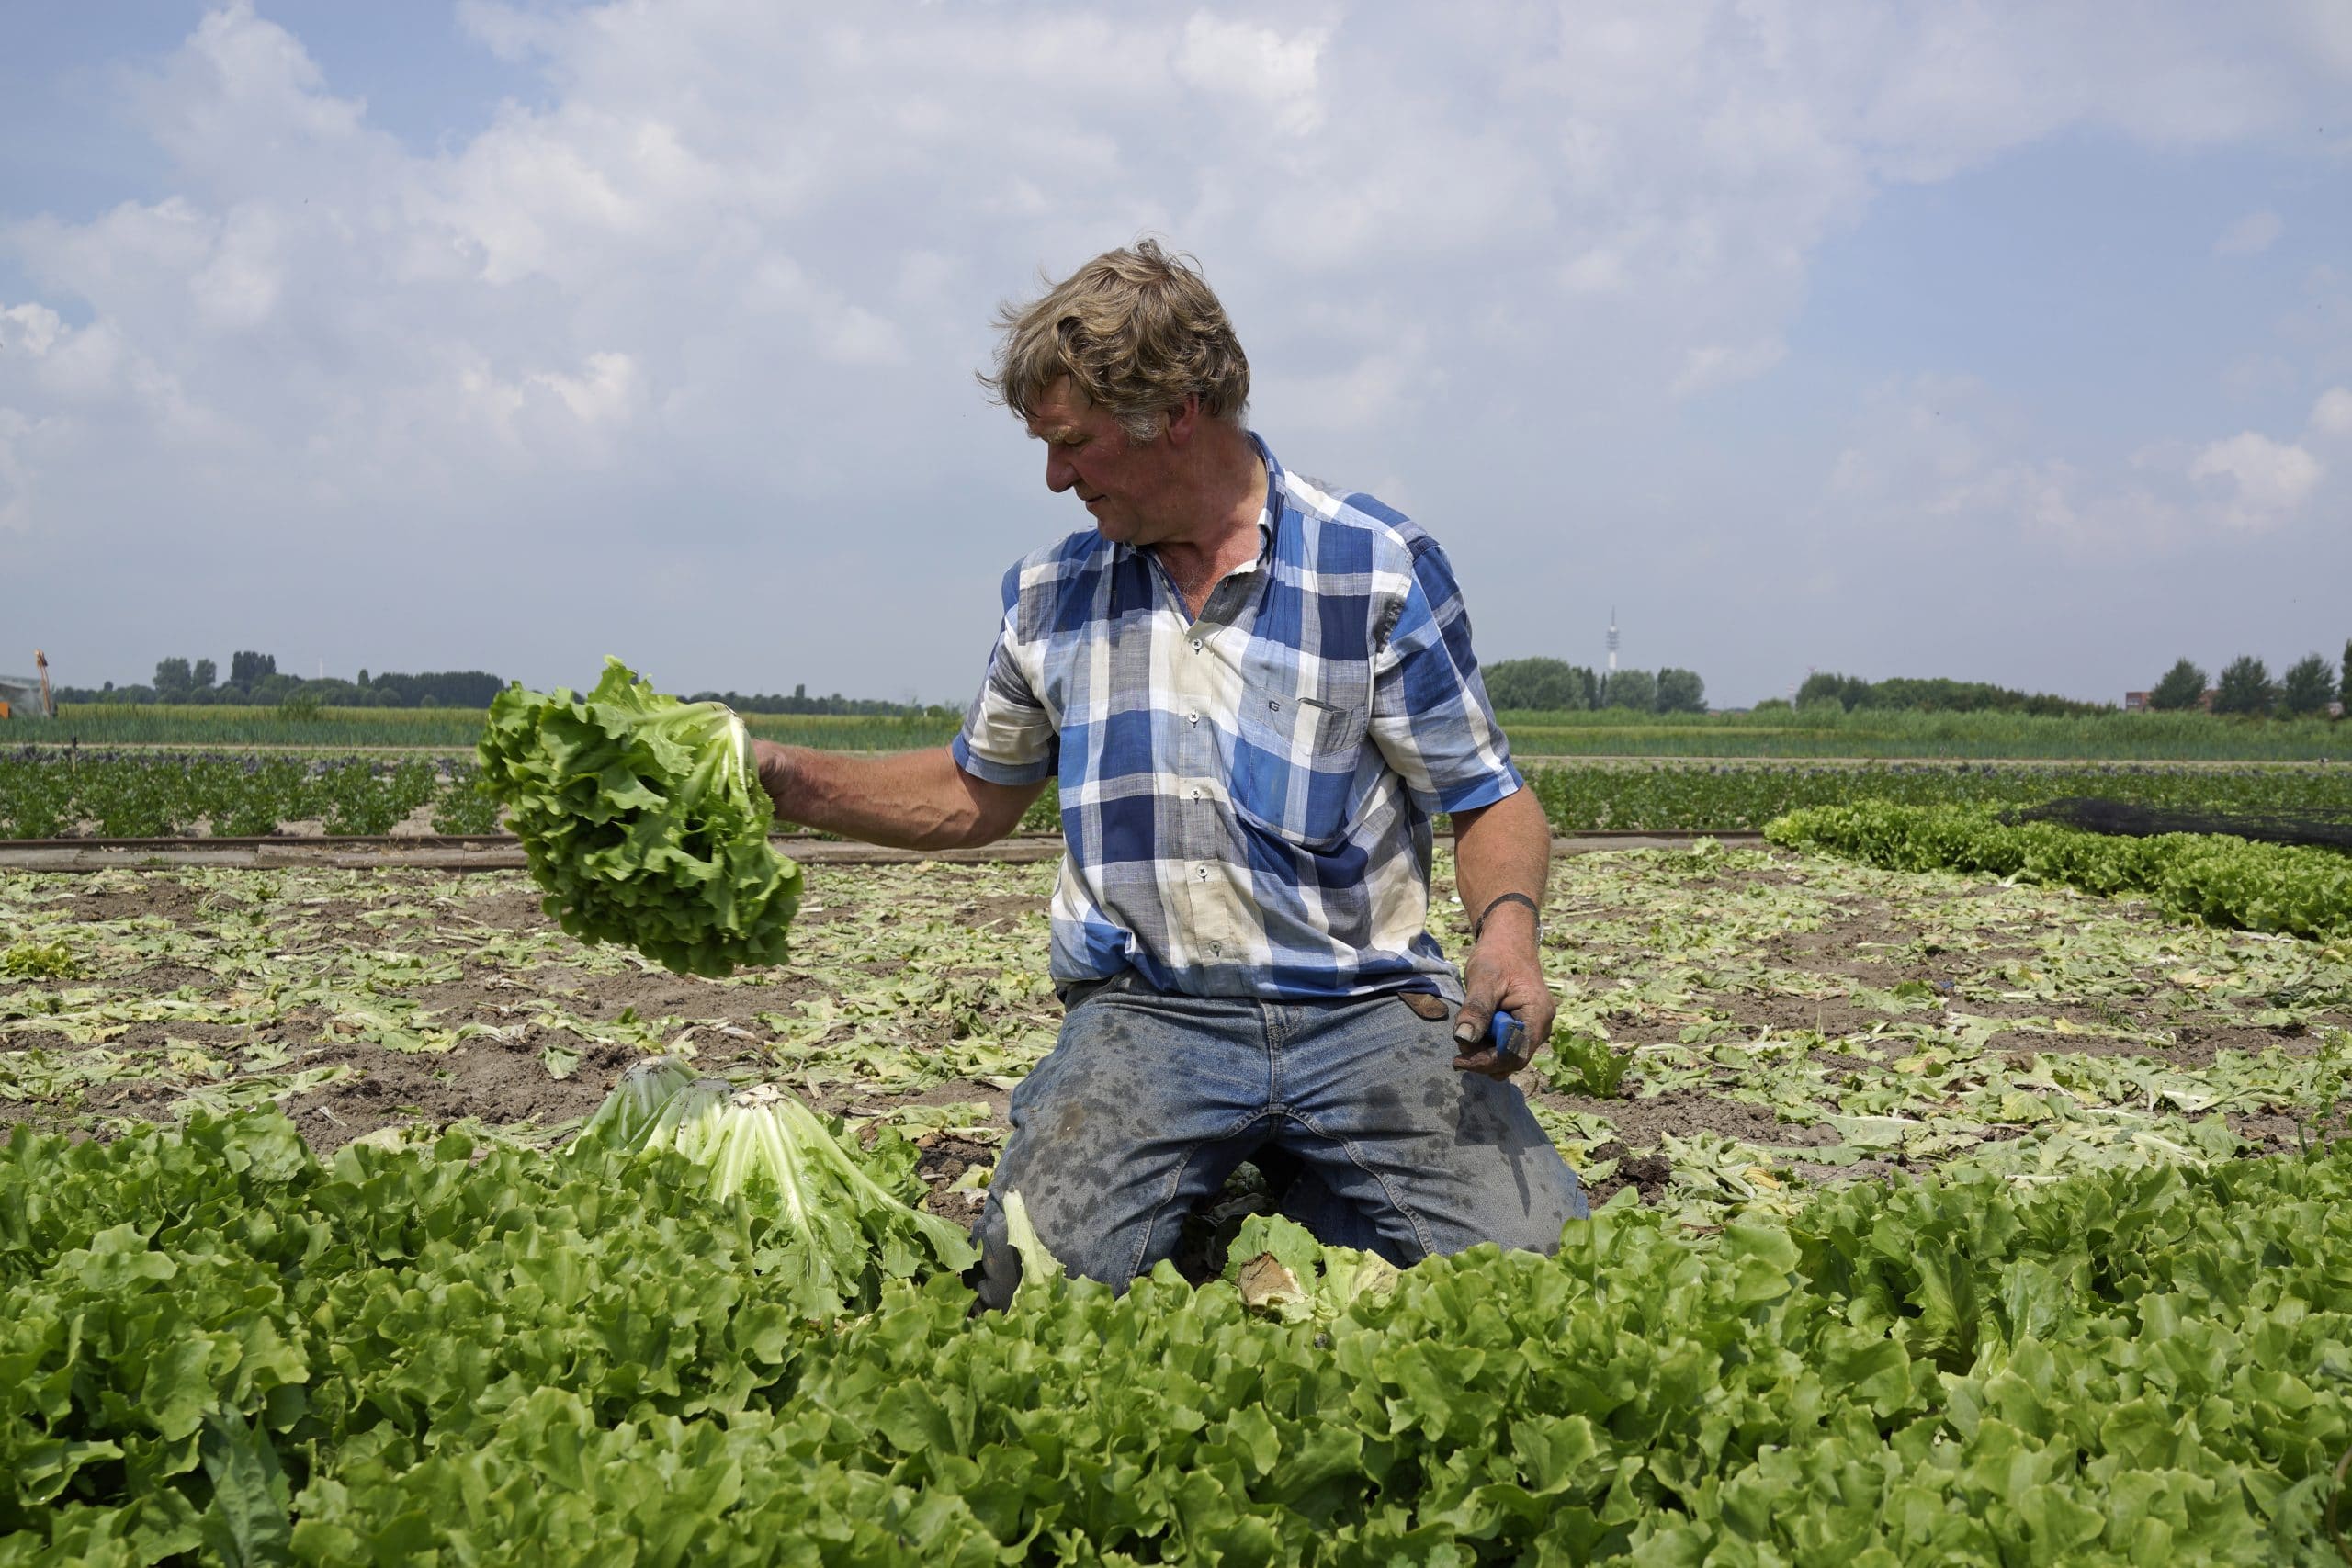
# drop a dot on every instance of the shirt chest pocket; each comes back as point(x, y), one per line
point(1301, 738)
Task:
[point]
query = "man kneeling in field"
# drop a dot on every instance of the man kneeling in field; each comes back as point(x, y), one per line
point(1253, 691)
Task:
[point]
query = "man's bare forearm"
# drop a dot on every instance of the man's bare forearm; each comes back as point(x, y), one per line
point(1498, 849)
point(1503, 848)
point(915, 800)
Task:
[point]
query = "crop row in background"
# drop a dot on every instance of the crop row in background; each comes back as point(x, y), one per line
point(50, 793)
point(1812, 732)
point(46, 794)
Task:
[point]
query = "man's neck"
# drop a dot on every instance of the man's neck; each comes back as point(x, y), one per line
point(1233, 500)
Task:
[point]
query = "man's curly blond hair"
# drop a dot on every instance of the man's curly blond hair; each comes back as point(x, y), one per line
point(1136, 330)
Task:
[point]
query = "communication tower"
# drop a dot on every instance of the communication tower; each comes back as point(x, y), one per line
point(1612, 639)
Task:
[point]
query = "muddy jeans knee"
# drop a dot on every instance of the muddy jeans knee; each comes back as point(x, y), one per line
point(1144, 1105)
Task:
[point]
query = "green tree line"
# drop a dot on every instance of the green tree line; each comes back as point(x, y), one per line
point(255, 680)
point(801, 703)
point(2245, 688)
point(1554, 685)
point(1936, 694)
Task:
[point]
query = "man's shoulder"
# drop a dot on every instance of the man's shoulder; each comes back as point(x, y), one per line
point(1082, 551)
point(1050, 568)
point(1055, 582)
point(1355, 523)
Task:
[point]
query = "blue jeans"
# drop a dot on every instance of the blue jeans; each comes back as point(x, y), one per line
point(1148, 1101)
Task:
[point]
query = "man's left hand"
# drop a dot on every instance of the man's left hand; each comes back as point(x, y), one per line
point(1505, 972)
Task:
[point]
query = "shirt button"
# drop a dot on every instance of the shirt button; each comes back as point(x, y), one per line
point(1198, 794)
point(1200, 873)
point(1192, 719)
point(1216, 950)
point(1196, 645)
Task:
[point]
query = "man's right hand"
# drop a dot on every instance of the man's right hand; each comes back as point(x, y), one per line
point(1504, 973)
point(774, 765)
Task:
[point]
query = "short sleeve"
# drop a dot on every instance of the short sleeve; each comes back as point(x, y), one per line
point(1430, 714)
point(1008, 737)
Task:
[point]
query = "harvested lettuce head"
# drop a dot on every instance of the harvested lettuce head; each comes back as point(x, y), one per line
point(841, 1222)
point(643, 818)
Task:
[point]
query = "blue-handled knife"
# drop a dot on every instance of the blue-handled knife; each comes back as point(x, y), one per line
point(1505, 1031)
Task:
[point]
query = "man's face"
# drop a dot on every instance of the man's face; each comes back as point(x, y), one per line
point(1126, 487)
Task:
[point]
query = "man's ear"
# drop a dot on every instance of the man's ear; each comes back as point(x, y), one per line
point(1185, 421)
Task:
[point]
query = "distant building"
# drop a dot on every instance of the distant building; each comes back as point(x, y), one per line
point(2137, 701)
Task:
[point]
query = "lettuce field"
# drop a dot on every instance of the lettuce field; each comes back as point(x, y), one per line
point(1946, 1220)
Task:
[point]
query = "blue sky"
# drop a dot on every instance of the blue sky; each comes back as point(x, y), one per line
point(2007, 342)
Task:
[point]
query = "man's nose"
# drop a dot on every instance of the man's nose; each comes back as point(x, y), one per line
point(1059, 474)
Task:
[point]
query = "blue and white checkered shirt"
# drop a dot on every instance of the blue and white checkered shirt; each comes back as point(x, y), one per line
point(1246, 797)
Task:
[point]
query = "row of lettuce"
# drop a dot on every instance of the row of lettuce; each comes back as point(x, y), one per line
point(50, 793)
point(217, 1348)
point(2216, 878)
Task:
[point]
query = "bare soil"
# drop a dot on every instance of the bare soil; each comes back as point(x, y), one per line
point(390, 1091)
point(507, 1080)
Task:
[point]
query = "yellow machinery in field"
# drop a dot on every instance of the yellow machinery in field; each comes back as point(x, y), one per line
point(28, 694)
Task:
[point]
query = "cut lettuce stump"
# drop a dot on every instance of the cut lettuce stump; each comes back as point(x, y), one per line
point(643, 818)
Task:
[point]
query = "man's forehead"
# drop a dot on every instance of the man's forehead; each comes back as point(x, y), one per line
point(1059, 411)
point(1056, 425)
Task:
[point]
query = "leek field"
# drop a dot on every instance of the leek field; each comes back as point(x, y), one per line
point(1881, 734)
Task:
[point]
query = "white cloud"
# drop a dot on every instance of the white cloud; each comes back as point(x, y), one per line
point(1712, 366)
point(2250, 235)
point(2332, 415)
point(85, 366)
point(243, 111)
point(601, 394)
point(1931, 456)
point(30, 328)
point(846, 334)
point(15, 485)
point(1948, 455)
point(2264, 482)
point(571, 417)
point(1376, 389)
point(238, 287)
point(1257, 64)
